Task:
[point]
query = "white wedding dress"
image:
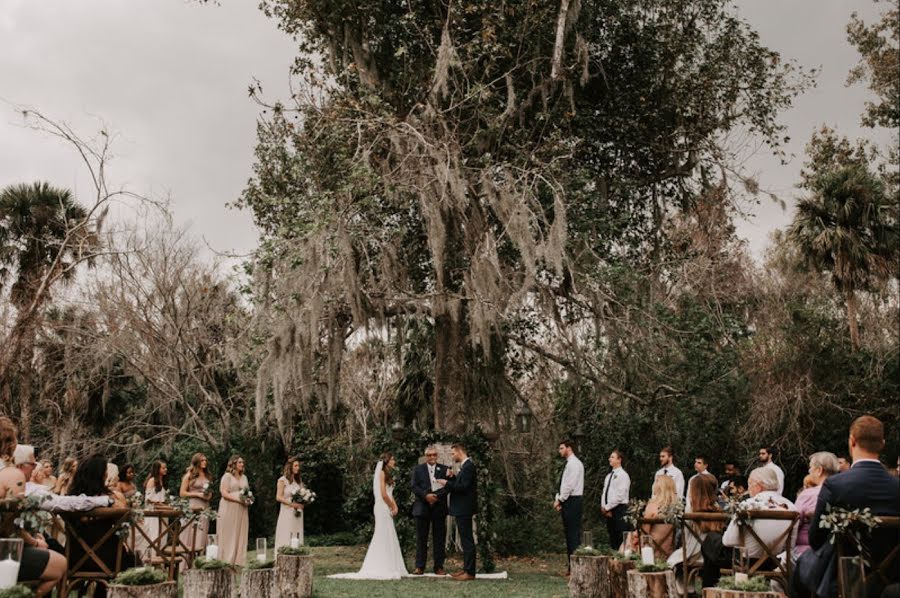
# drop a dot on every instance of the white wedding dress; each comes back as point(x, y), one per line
point(384, 559)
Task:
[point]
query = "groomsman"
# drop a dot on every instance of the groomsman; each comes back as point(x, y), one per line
point(667, 462)
point(701, 466)
point(569, 501)
point(614, 500)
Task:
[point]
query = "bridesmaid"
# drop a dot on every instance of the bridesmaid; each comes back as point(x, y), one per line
point(126, 483)
point(195, 486)
point(290, 515)
point(154, 496)
point(233, 522)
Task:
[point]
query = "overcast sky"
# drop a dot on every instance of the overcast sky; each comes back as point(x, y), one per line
point(171, 77)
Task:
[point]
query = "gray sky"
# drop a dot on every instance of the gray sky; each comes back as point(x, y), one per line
point(171, 78)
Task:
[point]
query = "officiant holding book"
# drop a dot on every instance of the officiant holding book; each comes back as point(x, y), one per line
point(430, 510)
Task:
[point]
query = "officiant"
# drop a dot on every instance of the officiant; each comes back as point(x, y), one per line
point(430, 510)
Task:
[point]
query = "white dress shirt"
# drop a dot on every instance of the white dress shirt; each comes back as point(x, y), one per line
point(768, 530)
point(615, 489)
point(674, 473)
point(687, 499)
point(434, 485)
point(572, 483)
point(779, 473)
point(56, 502)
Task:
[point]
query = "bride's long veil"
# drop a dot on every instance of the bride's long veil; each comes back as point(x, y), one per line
point(376, 482)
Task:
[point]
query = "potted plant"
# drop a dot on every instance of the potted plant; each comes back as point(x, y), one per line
point(143, 582)
point(293, 573)
point(208, 578)
point(257, 579)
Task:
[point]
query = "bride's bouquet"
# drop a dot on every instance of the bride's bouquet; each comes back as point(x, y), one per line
point(247, 496)
point(303, 496)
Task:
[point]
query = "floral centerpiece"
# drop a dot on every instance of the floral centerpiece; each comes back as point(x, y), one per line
point(303, 496)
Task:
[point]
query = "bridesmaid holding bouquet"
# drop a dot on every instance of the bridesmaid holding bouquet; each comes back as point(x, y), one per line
point(233, 523)
point(196, 486)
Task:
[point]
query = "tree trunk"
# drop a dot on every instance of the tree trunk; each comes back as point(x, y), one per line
point(449, 374)
point(656, 584)
point(293, 576)
point(852, 308)
point(720, 593)
point(168, 589)
point(614, 574)
point(586, 580)
point(215, 583)
point(257, 583)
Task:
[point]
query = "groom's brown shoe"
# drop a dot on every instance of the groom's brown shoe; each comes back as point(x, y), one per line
point(457, 574)
point(419, 571)
point(464, 577)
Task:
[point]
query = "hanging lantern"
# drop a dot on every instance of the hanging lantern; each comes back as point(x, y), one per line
point(524, 415)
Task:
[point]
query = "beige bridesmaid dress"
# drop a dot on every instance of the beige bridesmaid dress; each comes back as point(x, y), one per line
point(233, 523)
point(187, 534)
point(288, 522)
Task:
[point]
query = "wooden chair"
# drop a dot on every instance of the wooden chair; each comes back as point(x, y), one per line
point(881, 570)
point(691, 567)
point(164, 547)
point(771, 550)
point(86, 561)
point(651, 521)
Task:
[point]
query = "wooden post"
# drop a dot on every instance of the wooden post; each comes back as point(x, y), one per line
point(208, 583)
point(168, 589)
point(721, 593)
point(586, 580)
point(655, 584)
point(293, 576)
point(615, 577)
point(257, 583)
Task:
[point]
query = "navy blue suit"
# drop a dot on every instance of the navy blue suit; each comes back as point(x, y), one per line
point(429, 517)
point(463, 489)
point(867, 484)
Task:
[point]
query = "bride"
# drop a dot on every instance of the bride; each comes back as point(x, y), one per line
point(384, 560)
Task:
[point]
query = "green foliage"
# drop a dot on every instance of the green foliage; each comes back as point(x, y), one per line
point(253, 564)
point(656, 567)
point(288, 551)
point(754, 584)
point(140, 576)
point(16, 592)
point(206, 564)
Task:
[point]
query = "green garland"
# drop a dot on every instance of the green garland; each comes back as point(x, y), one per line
point(140, 576)
point(409, 448)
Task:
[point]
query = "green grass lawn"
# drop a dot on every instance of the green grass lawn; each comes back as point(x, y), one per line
point(532, 576)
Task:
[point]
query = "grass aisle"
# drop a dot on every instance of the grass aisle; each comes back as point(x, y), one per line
point(533, 576)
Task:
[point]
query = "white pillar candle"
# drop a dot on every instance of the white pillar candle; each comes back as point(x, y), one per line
point(628, 553)
point(295, 542)
point(212, 552)
point(261, 557)
point(741, 577)
point(9, 572)
point(647, 555)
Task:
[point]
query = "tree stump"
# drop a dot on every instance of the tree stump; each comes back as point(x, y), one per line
point(655, 584)
point(257, 583)
point(167, 589)
point(614, 577)
point(211, 583)
point(722, 593)
point(586, 580)
point(293, 576)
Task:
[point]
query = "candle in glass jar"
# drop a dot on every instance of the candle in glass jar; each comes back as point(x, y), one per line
point(261, 557)
point(741, 577)
point(647, 555)
point(295, 542)
point(212, 552)
point(9, 572)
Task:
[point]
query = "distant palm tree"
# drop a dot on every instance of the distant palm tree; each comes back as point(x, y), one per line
point(43, 233)
point(849, 227)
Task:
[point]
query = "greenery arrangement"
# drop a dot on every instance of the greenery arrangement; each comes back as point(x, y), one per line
point(656, 567)
point(17, 592)
point(585, 551)
point(635, 512)
point(849, 525)
point(256, 564)
point(206, 564)
point(30, 517)
point(288, 551)
point(753, 584)
point(140, 576)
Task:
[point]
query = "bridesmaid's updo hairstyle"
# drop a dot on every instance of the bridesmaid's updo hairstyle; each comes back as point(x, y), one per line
point(288, 471)
point(385, 458)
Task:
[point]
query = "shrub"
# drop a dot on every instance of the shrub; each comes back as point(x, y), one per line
point(16, 592)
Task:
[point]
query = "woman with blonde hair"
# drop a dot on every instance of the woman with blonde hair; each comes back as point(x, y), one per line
point(662, 534)
point(66, 473)
point(290, 514)
point(233, 523)
point(196, 486)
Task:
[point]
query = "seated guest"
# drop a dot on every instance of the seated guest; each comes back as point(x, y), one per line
point(38, 562)
point(867, 484)
point(764, 496)
point(65, 476)
point(663, 534)
point(821, 466)
point(126, 483)
point(843, 463)
point(34, 472)
point(49, 478)
point(702, 490)
point(90, 480)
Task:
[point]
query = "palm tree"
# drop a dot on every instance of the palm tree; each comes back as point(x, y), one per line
point(849, 227)
point(44, 232)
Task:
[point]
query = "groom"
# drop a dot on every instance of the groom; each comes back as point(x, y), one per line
point(430, 510)
point(463, 489)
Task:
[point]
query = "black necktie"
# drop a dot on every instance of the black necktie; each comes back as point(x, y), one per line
point(608, 487)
